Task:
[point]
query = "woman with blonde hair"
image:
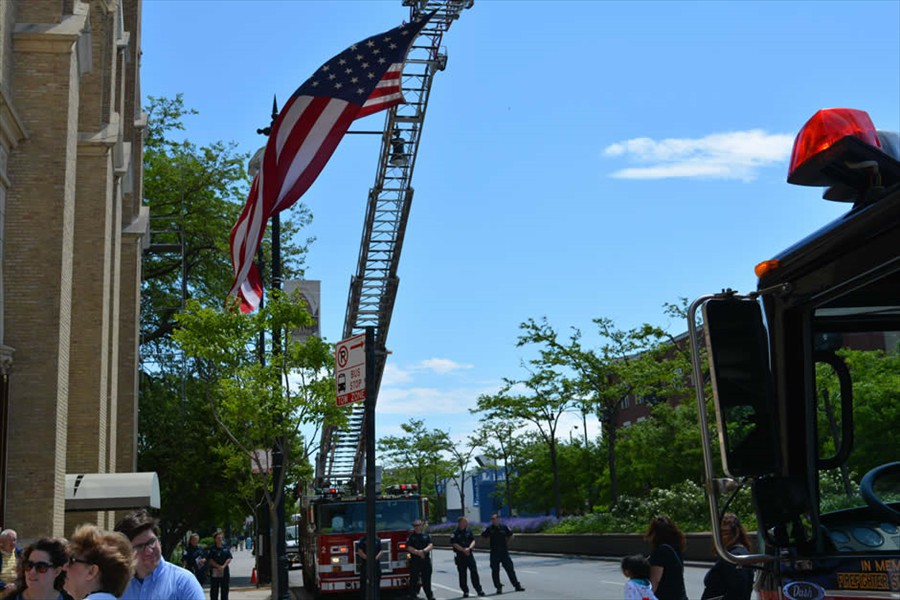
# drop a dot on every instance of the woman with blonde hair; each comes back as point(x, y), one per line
point(42, 571)
point(726, 581)
point(100, 564)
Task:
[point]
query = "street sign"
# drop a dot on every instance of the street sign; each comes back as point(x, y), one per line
point(350, 369)
point(261, 461)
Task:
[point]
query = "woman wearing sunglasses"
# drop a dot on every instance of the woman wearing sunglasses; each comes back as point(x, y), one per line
point(100, 564)
point(41, 571)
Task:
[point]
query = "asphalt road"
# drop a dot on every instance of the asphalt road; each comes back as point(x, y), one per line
point(544, 578)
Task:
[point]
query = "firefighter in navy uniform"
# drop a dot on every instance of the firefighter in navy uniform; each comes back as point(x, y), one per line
point(463, 542)
point(499, 534)
point(420, 547)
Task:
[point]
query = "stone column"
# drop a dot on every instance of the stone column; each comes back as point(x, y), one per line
point(38, 258)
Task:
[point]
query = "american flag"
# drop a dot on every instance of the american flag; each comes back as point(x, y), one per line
point(361, 80)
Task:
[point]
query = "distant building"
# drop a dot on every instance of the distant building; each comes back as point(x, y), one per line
point(484, 495)
point(71, 231)
point(636, 407)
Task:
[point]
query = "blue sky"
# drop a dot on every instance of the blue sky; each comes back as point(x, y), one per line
point(578, 159)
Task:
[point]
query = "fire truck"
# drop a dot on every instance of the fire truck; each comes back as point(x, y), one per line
point(330, 525)
point(804, 375)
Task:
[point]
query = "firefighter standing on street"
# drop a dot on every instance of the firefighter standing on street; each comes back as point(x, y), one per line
point(463, 542)
point(499, 535)
point(419, 546)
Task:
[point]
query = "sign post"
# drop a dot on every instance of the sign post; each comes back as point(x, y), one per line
point(369, 379)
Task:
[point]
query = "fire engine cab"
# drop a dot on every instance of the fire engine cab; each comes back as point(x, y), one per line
point(331, 524)
point(805, 381)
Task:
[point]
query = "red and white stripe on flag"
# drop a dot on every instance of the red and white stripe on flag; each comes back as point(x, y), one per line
point(360, 81)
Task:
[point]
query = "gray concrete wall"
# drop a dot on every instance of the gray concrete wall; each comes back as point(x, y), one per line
point(699, 545)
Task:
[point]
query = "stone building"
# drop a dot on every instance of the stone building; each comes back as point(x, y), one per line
point(71, 234)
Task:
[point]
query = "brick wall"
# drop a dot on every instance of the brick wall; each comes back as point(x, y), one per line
point(69, 298)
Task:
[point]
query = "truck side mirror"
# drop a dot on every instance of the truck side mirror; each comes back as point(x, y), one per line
point(742, 385)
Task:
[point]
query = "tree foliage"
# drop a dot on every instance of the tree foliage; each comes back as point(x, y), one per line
point(643, 363)
point(261, 404)
point(194, 194)
point(414, 453)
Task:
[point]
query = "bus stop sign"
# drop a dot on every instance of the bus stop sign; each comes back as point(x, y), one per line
point(350, 369)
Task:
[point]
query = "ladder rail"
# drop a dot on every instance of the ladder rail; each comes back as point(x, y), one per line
point(373, 289)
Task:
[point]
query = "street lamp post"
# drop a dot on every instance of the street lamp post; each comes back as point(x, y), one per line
point(280, 589)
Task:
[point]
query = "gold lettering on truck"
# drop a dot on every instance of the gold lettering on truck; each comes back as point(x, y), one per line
point(863, 581)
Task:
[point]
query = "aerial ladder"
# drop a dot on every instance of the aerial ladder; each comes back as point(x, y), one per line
point(373, 289)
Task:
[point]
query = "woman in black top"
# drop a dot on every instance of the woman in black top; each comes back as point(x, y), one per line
point(726, 581)
point(666, 564)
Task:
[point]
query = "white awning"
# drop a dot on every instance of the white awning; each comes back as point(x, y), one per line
point(111, 491)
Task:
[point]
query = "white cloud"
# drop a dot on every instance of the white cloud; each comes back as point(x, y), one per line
point(399, 375)
point(441, 365)
point(425, 401)
point(394, 375)
point(731, 155)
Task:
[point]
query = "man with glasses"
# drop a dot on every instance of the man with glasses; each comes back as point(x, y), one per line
point(154, 578)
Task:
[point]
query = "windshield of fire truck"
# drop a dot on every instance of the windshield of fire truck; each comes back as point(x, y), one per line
point(350, 517)
point(856, 345)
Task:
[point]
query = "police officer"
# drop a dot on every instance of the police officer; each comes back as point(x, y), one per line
point(361, 563)
point(499, 534)
point(463, 542)
point(419, 546)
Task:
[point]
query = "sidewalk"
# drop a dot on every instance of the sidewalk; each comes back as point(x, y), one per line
point(241, 587)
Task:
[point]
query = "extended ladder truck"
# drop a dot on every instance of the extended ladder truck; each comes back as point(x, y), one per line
point(332, 512)
point(805, 379)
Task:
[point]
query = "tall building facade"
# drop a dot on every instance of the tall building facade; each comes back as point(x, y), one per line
point(71, 234)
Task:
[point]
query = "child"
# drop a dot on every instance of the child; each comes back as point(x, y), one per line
point(637, 569)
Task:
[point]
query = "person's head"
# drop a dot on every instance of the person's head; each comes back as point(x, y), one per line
point(143, 531)
point(42, 566)
point(98, 560)
point(8, 539)
point(218, 539)
point(194, 539)
point(418, 524)
point(495, 518)
point(636, 566)
point(663, 530)
point(462, 522)
point(733, 533)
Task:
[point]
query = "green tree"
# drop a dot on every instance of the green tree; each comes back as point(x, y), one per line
point(875, 378)
point(194, 194)
point(501, 443)
point(644, 363)
point(662, 450)
point(460, 457)
point(413, 453)
point(548, 396)
point(262, 404)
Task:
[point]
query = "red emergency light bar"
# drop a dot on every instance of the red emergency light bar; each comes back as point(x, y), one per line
point(840, 147)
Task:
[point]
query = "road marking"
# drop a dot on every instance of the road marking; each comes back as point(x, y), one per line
point(452, 589)
point(527, 571)
point(612, 582)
